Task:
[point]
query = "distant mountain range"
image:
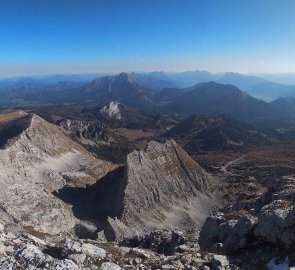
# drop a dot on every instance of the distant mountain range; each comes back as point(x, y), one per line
point(220, 132)
point(258, 87)
point(213, 98)
point(271, 91)
point(145, 92)
point(265, 86)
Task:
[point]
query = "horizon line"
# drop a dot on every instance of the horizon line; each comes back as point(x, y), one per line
point(107, 73)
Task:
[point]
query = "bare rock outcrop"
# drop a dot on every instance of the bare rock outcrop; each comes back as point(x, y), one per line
point(265, 218)
point(111, 110)
point(226, 232)
point(277, 223)
point(98, 138)
point(86, 132)
point(24, 251)
point(161, 241)
point(276, 220)
point(164, 187)
point(37, 161)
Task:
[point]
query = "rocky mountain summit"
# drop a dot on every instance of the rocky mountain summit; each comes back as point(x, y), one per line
point(159, 187)
point(163, 187)
point(121, 87)
point(116, 114)
point(37, 161)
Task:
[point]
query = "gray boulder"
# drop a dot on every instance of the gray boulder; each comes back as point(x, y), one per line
point(110, 266)
point(162, 241)
point(276, 223)
point(226, 232)
point(220, 262)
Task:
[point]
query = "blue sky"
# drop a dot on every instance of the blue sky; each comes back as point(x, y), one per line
point(79, 36)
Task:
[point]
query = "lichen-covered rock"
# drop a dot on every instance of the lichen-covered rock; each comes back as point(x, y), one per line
point(276, 223)
point(85, 248)
point(77, 258)
point(226, 232)
point(161, 241)
point(31, 255)
point(65, 264)
point(24, 251)
point(220, 262)
point(110, 266)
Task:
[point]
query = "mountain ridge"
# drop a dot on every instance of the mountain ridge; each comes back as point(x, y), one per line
point(219, 133)
point(160, 181)
point(39, 160)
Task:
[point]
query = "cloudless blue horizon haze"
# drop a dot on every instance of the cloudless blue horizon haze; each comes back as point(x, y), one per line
point(79, 36)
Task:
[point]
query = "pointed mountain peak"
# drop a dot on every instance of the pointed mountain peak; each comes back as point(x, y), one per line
point(123, 76)
point(163, 178)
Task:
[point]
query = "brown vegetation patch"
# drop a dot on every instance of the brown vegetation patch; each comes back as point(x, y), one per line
point(6, 117)
point(115, 251)
point(134, 134)
point(236, 214)
point(283, 154)
point(30, 230)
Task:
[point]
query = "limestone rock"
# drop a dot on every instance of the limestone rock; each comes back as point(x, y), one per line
point(111, 110)
point(37, 161)
point(276, 223)
point(86, 132)
point(164, 185)
point(65, 264)
point(220, 261)
point(224, 233)
point(77, 258)
point(161, 241)
point(110, 266)
point(85, 248)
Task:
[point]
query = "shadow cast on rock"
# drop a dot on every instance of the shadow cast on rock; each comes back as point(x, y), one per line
point(95, 203)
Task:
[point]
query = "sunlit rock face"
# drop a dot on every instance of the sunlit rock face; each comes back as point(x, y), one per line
point(163, 187)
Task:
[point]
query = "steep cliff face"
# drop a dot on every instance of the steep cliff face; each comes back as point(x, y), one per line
point(98, 139)
point(34, 163)
point(111, 110)
point(164, 187)
point(86, 132)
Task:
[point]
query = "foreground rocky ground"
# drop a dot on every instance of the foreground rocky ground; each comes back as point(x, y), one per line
point(166, 250)
point(257, 228)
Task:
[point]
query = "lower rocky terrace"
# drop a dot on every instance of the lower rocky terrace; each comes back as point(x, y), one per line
point(159, 250)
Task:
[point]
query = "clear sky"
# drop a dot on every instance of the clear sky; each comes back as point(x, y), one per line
point(80, 36)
